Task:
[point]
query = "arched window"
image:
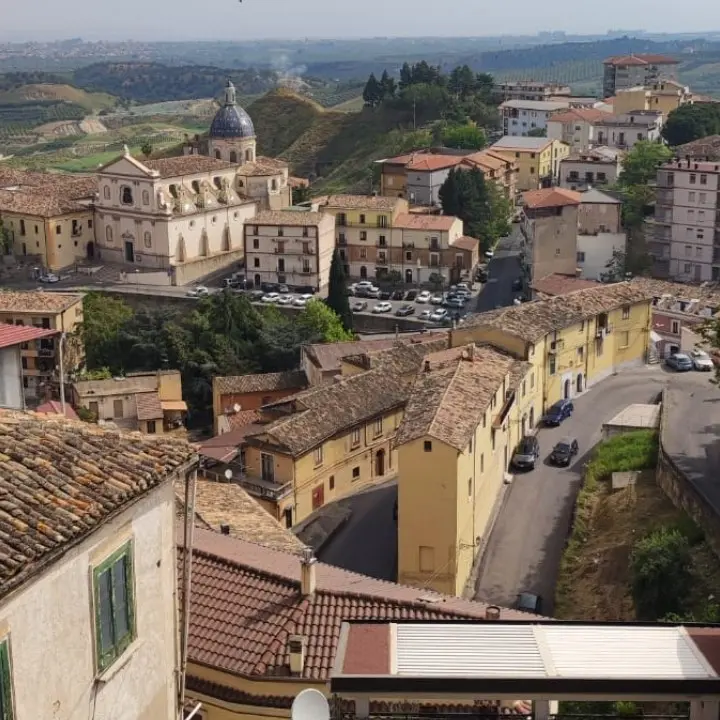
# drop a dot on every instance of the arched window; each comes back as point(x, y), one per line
point(108, 233)
point(273, 184)
point(195, 186)
point(173, 190)
point(248, 155)
point(146, 197)
point(218, 183)
point(106, 192)
point(147, 238)
point(233, 156)
point(126, 196)
point(217, 155)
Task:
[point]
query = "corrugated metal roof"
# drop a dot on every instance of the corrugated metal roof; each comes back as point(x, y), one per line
point(482, 650)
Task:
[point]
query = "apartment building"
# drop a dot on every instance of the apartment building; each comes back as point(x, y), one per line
point(455, 442)
point(599, 234)
point(49, 216)
point(149, 402)
point(573, 340)
point(550, 226)
point(519, 117)
point(627, 71)
point(662, 96)
point(596, 167)
point(576, 127)
point(93, 573)
point(623, 130)
point(292, 248)
point(40, 359)
point(538, 159)
point(530, 90)
point(686, 229)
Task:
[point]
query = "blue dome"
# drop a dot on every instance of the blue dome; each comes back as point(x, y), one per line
point(231, 121)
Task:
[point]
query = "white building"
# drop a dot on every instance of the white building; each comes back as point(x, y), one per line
point(600, 233)
point(521, 116)
point(88, 619)
point(530, 90)
point(291, 247)
point(622, 131)
point(600, 166)
point(575, 127)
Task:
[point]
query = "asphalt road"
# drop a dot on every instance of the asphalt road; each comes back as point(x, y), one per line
point(526, 544)
point(503, 269)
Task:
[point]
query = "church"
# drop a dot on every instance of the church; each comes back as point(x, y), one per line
point(183, 217)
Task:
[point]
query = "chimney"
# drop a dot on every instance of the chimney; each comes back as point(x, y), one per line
point(308, 580)
point(224, 529)
point(492, 612)
point(296, 651)
point(427, 366)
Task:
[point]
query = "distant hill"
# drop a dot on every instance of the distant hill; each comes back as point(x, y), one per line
point(46, 92)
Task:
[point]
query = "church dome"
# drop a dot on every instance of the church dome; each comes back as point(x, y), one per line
point(231, 121)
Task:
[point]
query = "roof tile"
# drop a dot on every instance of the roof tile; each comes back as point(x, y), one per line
point(551, 197)
point(36, 301)
point(261, 382)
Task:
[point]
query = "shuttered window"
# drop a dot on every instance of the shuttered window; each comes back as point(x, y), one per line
point(6, 699)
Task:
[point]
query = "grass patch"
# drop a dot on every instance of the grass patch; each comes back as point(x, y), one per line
point(595, 581)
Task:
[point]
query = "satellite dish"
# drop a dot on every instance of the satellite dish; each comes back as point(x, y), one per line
point(237, 408)
point(228, 474)
point(310, 704)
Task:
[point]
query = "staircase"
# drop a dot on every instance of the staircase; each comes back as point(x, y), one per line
point(653, 358)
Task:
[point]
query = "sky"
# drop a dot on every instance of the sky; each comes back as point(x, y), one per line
point(42, 20)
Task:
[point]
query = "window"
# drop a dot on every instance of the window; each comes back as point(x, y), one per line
point(701, 215)
point(532, 169)
point(524, 388)
point(703, 198)
point(624, 339)
point(256, 262)
point(256, 243)
point(108, 234)
point(691, 196)
point(580, 353)
point(106, 192)
point(151, 427)
point(482, 462)
point(147, 238)
point(114, 606)
point(331, 482)
point(281, 265)
point(688, 250)
point(362, 219)
point(532, 380)
point(698, 252)
point(355, 437)
point(557, 252)
point(408, 255)
point(58, 229)
point(318, 455)
point(280, 232)
point(626, 312)
point(363, 253)
point(381, 241)
point(363, 234)
point(691, 215)
point(427, 446)
point(700, 234)
point(427, 559)
point(280, 247)
point(306, 248)
point(273, 184)
point(6, 698)
point(675, 327)
point(581, 257)
point(145, 197)
point(688, 267)
point(470, 488)
point(117, 408)
point(356, 473)
point(305, 265)
point(126, 196)
point(492, 438)
point(551, 365)
point(693, 179)
point(377, 429)
point(703, 179)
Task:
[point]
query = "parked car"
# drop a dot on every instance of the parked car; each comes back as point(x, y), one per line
point(256, 295)
point(398, 295)
point(563, 453)
point(439, 315)
point(481, 275)
point(385, 295)
point(455, 302)
point(302, 300)
point(423, 297)
point(382, 307)
point(461, 287)
point(367, 284)
point(284, 289)
point(412, 295)
point(359, 305)
point(526, 454)
point(49, 278)
point(285, 300)
point(701, 360)
point(679, 362)
point(405, 310)
point(425, 314)
point(529, 602)
point(272, 297)
point(558, 412)
point(199, 291)
point(437, 299)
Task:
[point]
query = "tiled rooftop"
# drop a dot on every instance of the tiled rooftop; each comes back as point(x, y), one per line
point(262, 166)
point(247, 602)
point(533, 320)
point(452, 392)
point(707, 147)
point(465, 242)
point(286, 217)
point(640, 59)
point(35, 301)
point(148, 406)
point(513, 142)
point(369, 202)
point(18, 334)
point(432, 162)
point(682, 298)
point(590, 115)
point(414, 221)
point(44, 194)
point(219, 503)
point(54, 407)
point(261, 382)
point(128, 385)
point(60, 480)
point(557, 284)
point(551, 197)
point(186, 165)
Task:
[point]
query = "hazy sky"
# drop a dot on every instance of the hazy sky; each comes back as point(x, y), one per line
point(256, 19)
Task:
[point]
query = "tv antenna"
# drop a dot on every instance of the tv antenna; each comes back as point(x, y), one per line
point(310, 704)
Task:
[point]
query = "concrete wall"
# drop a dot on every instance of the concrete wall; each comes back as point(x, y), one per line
point(50, 623)
point(594, 252)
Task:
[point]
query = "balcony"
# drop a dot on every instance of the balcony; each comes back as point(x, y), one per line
point(255, 485)
point(504, 410)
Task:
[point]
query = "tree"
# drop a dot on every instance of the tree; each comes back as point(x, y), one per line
point(320, 322)
point(104, 317)
point(5, 242)
point(300, 194)
point(465, 137)
point(337, 299)
point(462, 81)
point(660, 569)
point(537, 132)
point(641, 163)
point(387, 86)
point(691, 122)
point(406, 78)
point(372, 94)
point(146, 149)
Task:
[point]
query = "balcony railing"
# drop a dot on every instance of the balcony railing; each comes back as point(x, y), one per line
point(257, 486)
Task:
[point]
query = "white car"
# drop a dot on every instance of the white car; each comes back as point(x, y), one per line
point(437, 300)
point(382, 307)
point(423, 297)
point(285, 300)
point(439, 315)
point(198, 291)
point(425, 315)
point(302, 300)
point(49, 278)
point(271, 297)
point(701, 360)
point(363, 284)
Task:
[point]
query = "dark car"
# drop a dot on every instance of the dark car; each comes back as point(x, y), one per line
point(405, 310)
point(256, 295)
point(529, 602)
point(412, 294)
point(384, 295)
point(517, 284)
point(481, 276)
point(398, 295)
point(679, 362)
point(558, 412)
point(454, 302)
point(563, 453)
point(526, 454)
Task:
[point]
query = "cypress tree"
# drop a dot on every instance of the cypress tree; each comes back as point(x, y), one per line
point(337, 298)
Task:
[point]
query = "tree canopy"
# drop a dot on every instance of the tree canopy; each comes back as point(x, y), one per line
point(691, 122)
point(337, 299)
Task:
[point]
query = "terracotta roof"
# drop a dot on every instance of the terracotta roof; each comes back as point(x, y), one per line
point(296, 182)
point(186, 165)
point(36, 301)
point(533, 320)
point(39, 204)
point(225, 447)
point(246, 603)
point(54, 407)
point(430, 163)
point(238, 420)
point(226, 503)
point(148, 406)
point(141, 383)
point(487, 160)
point(371, 202)
point(640, 59)
point(286, 217)
point(557, 284)
point(261, 382)
point(579, 114)
point(17, 334)
point(465, 242)
point(551, 197)
point(60, 480)
point(414, 221)
point(703, 148)
point(522, 144)
point(262, 166)
point(401, 360)
point(452, 393)
point(666, 295)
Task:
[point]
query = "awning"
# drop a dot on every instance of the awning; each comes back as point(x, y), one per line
point(179, 405)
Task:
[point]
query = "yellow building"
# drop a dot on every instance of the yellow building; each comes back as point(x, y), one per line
point(40, 361)
point(332, 440)
point(662, 96)
point(455, 442)
point(572, 341)
point(538, 159)
point(48, 216)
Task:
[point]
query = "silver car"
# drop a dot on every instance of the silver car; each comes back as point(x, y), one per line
point(701, 361)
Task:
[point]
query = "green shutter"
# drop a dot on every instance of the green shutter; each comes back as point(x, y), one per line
point(6, 700)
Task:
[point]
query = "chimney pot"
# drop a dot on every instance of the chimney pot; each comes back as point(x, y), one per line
point(492, 612)
point(296, 652)
point(308, 579)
